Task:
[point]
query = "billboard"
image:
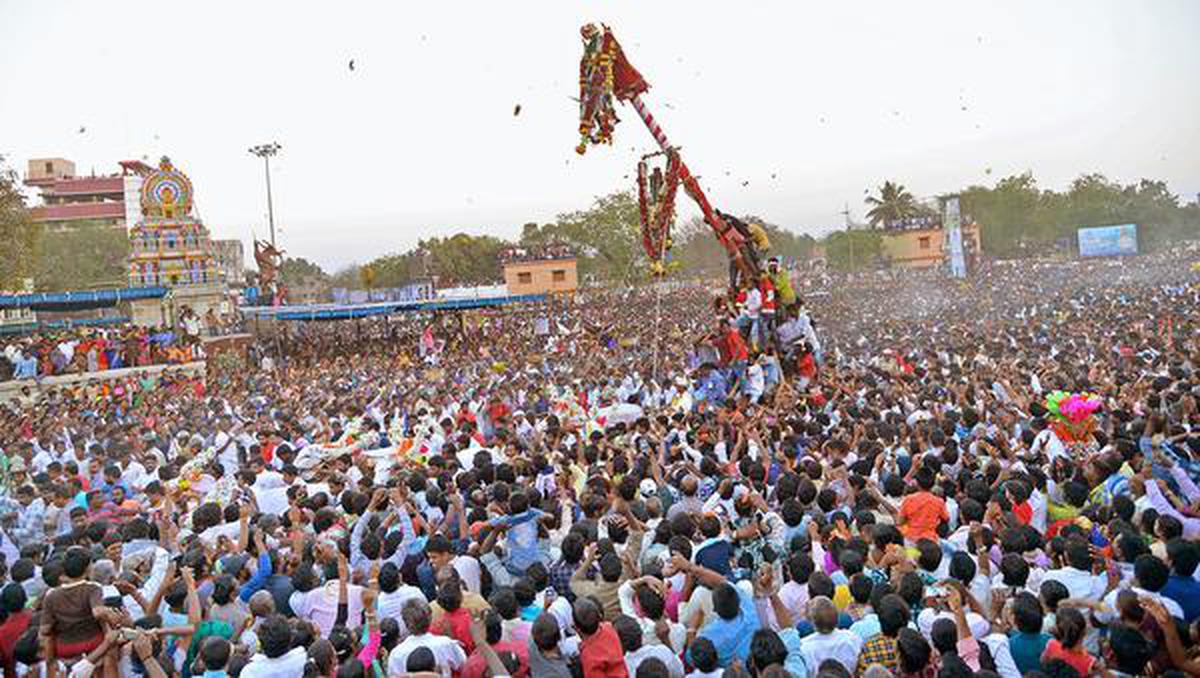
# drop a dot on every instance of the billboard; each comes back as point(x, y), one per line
point(1108, 241)
point(953, 228)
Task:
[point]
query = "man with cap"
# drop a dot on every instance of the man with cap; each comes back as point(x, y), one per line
point(681, 399)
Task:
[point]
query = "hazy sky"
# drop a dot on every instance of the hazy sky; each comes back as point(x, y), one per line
point(420, 139)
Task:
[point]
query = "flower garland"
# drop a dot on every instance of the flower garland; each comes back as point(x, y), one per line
point(1074, 415)
point(604, 74)
point(597, 117)
point(657, 218)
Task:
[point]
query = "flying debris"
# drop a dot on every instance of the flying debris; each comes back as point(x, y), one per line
point(988, 170)
point(82, 129)
point(670, 106)
point(745, 183)
point(517, 110)
point(822, 120)
point(772, 175)
point(896, 113)
point(962, 108)
point(352, 64)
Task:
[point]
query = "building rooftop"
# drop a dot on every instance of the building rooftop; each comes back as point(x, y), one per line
point(79, 210)
point(86, 185)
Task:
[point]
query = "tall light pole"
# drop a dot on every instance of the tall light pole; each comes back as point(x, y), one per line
point(266, 152)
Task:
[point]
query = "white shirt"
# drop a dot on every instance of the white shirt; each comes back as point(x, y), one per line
point(677, 633)
point(269, 480)
point(1054, 447)
point(390, 605)
point(1111, 601)
point(290, 665)
point(1005, 666)
point(1080, 584)
point(1037, 502)
point(447, 653)
point(978, 625)
point(469, 571)
point(659, 652)
point(320, 606)
point(753, 302)
point(841, 645)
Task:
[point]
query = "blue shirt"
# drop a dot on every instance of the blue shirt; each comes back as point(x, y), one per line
point(712, 388)
point(1186, 592)
point(521, 541)
point(732, 637)
point(1026, 650)
point(25, 368)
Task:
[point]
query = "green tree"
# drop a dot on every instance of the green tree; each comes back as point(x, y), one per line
point(464, 259)
point(893, 202)
point(853, 250)
point(606, 237)
point(1013, 214)
point(298, 271)
point(1019, 219)
point(89, 255)
point(698, 251)
point(397, 270)
point(346, 278)
point(18, 234)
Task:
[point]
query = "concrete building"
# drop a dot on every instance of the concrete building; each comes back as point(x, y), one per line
point(927, 246)
point(230, 256)
point(541, 276)
point(69, 201)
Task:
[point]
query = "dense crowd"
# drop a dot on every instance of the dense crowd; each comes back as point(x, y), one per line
point(84, 349)
point(818, 475)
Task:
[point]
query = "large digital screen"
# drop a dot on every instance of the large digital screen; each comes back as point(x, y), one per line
point(1108, 241)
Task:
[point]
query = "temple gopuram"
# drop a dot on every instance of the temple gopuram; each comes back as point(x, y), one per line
point(169, 247)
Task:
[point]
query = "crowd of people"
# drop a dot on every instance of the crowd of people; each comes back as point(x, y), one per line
point(839, 475)
point(87, 349)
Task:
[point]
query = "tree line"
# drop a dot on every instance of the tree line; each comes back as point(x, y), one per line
point(1018, 218)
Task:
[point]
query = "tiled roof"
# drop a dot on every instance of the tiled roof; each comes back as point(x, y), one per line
point(81, 210)
point(85, 185)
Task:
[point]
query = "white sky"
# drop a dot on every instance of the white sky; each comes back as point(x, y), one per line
point(420, 140)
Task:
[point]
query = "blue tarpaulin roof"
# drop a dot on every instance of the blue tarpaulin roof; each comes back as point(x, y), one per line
point(58, 324)
point(347, 311)
point(80, 299)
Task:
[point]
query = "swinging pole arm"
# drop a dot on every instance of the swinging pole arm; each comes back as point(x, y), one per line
point(729, 237)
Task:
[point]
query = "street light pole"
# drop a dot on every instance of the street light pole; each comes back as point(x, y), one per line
point(266, 152)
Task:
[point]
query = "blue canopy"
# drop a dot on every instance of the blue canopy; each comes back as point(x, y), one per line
point(347, 311)
point(80, 299)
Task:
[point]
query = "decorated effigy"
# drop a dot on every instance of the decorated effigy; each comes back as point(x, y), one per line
point(169, 246)
point(1073, 415)
point(607, 77)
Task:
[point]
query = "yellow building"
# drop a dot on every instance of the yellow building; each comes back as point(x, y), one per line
point(541, 276)
point(926, 247)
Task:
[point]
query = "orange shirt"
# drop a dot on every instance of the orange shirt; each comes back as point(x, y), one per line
point(921, 513)
point(1077, 657)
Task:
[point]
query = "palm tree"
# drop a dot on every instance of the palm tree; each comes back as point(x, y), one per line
point(894, 203)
